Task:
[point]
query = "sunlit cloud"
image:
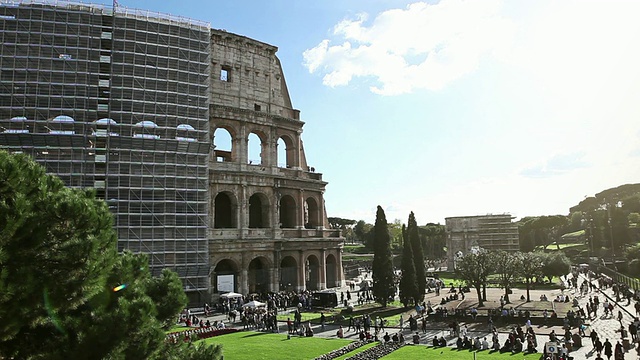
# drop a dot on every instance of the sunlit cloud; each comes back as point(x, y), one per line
point(424, 46)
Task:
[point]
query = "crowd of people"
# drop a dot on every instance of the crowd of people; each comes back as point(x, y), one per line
point(521, 339)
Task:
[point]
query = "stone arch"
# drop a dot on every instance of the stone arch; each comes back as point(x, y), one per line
point(223, 137)
point(312, 269)
point(311, 213)
point(287, 212)
point(225, 267)
point(259, 211)
point(258, 275)
point(331, 271)
point(286, 152)
point(288, 274)
point(225, 210)
point(257, 148)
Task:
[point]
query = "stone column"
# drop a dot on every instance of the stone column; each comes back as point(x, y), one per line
point(243, 280)
point(302, 275)
point(300, 210)
point(277, 258)
point(323, 270)
point(320, 225)
point(340, 269)
point(241, 144)
point(243, 212)
point(297, 153)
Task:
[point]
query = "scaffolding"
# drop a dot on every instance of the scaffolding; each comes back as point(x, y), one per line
point(117, 101)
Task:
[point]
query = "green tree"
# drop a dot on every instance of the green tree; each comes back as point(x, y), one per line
point(435, 241)
point(395, 233)
point(418, 256)
point(383, 279)
point(474, 268)
point(340, 223)
point(54, 246)
point(408, 284)
point(532, 264)
point(506, 269)
point(167, 293)
point(364, 234)
point(555, 264)
point(63, 286)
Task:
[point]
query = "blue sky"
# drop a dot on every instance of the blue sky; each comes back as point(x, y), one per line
point(454, 107)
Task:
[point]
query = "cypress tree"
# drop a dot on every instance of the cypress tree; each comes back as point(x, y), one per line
point(383, 283)
point(418, 256)
point(408, 285)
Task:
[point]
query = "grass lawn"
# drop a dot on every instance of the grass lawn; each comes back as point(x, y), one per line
point(251, 345)
point(423, 352)
point(314, 317)
point(356, 249)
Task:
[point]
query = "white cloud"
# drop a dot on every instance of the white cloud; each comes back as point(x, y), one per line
point(557, 164)
point(423, 46)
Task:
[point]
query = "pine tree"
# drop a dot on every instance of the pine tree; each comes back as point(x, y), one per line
point(418, 257)
point(383, 282)
point(408, 285)
point(65, 292)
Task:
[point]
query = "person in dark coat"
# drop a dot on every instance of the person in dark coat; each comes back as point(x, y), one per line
point(594, 337)
point(619, 352)
point(599, 346)
point(608, 349)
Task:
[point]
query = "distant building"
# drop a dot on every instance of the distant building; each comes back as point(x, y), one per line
point(490, 232)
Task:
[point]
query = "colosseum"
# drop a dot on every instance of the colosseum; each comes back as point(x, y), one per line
point(188, 133)
point(269, 225)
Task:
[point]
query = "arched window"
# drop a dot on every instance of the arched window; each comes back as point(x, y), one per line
point(105, 127)
point(146, 130)
point(223, 145)
point(185, 132)
point(286, 152)
point(223, 270)
point(287, 212)
point(254, 148)
point(258, 276)
point(282, 154)
point(61, 125)
point(312, 268)
point(225, 208)
point(331, 271)
point(311, 215)
point(258, 211)
point(288, 274)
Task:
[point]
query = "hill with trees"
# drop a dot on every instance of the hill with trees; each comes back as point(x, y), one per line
point(606, 225)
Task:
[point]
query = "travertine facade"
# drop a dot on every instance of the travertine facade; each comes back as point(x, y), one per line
point(490, 232)
point(268, 223)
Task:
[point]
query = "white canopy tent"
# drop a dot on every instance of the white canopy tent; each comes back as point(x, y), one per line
point(231, 295)
point(254, 304)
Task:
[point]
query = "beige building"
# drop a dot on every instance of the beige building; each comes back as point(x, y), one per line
point(490, 232)
point(268, 226)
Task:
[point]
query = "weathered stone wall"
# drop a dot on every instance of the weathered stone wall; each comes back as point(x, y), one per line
point(253, 75)
point(285, 244)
